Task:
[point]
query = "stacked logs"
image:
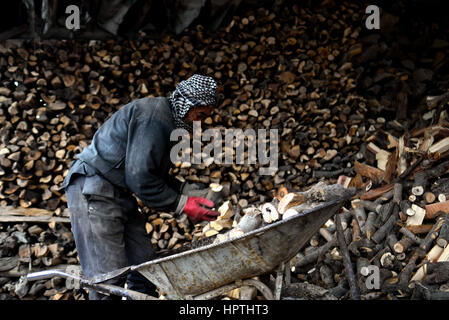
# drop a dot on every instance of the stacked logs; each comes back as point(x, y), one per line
point(56, 94)
point(399, 223)
point(29, 247)
point(311, 74)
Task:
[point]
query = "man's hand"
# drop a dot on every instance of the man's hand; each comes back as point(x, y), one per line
point(199, 209)
point(200, 190)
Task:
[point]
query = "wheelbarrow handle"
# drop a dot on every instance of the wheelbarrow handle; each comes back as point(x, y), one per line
point(102, 287)
point(40, 275)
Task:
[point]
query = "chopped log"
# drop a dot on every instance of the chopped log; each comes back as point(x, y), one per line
point(358, 212)
point(406, 208)
point(355, 230)
point(375, 174)
point(386, 260)
point(371, 206)
point(391, 240)
point(306, 291)
point(406, 232)
point(429, 197)
point(346, 260)
point(434, 209)
point(403, 244)
point(269, 213)
point(289, 213)
point(434, 101)
point(438, 170)
point(282, 192)
point(386, 210)
point(420, 183)
point(376, 193)
point(441, 242)
point(403, 278)
point(8, 263)
point(385, 229)
point(361, 244)
point(431, 256)
point(437, 272)
point(442, 197)
point(444, 255)
point(444, 230)
point(369, 228)
point(290, 200)
point(326, 234)
point(312, 257)
point(432, 235)
point(327, 276)
point(441, 146)
point(397, 192)
point(418, 217)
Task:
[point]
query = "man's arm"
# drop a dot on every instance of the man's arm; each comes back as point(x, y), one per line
point(174, 183)
point(148, 140)
point(147, 147)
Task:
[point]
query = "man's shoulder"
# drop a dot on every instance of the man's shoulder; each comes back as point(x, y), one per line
point(152, 104)
point(157, 108)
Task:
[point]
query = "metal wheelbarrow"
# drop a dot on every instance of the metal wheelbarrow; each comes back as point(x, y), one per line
point(209, 271)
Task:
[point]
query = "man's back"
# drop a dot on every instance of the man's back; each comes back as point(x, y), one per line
point(131, 150)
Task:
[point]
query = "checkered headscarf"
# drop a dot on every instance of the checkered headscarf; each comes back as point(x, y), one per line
point(198, 90)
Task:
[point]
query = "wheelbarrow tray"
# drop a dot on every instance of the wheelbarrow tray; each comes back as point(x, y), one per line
point(193, 272)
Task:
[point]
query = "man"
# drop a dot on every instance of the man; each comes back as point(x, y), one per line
point(130, 154)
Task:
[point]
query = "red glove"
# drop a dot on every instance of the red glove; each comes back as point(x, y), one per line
point(198, 209)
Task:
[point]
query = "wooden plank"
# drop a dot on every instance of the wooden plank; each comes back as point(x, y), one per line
point(13, 219)
point(19, 214)
point(19, 211)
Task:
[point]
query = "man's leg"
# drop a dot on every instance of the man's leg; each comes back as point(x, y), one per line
point(138, 250)
point(98, 227)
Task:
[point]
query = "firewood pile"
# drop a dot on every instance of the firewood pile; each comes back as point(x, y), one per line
point(398, 223)
point(341, 98)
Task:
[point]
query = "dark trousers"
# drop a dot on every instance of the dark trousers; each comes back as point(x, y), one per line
point(109, 232)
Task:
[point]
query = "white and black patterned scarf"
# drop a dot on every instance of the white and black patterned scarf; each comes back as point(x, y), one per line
point(196, 91)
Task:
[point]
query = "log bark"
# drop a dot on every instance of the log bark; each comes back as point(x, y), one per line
point(347, 260)
point(382, 232)
point(306, 291)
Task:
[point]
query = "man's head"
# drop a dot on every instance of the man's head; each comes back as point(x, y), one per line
point(193, 100)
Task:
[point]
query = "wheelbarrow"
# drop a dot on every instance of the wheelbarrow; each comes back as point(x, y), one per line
point(212, 270)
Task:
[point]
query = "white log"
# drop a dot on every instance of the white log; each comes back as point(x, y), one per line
point(289, 213)
point(441, 146)
point(431, 256)
point(418, 217)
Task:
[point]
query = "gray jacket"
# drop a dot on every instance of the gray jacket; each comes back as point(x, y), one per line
point(132, 151)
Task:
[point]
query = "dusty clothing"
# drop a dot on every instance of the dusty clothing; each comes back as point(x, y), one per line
point(131, 150)
point(109, 232)
point(128, 154)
